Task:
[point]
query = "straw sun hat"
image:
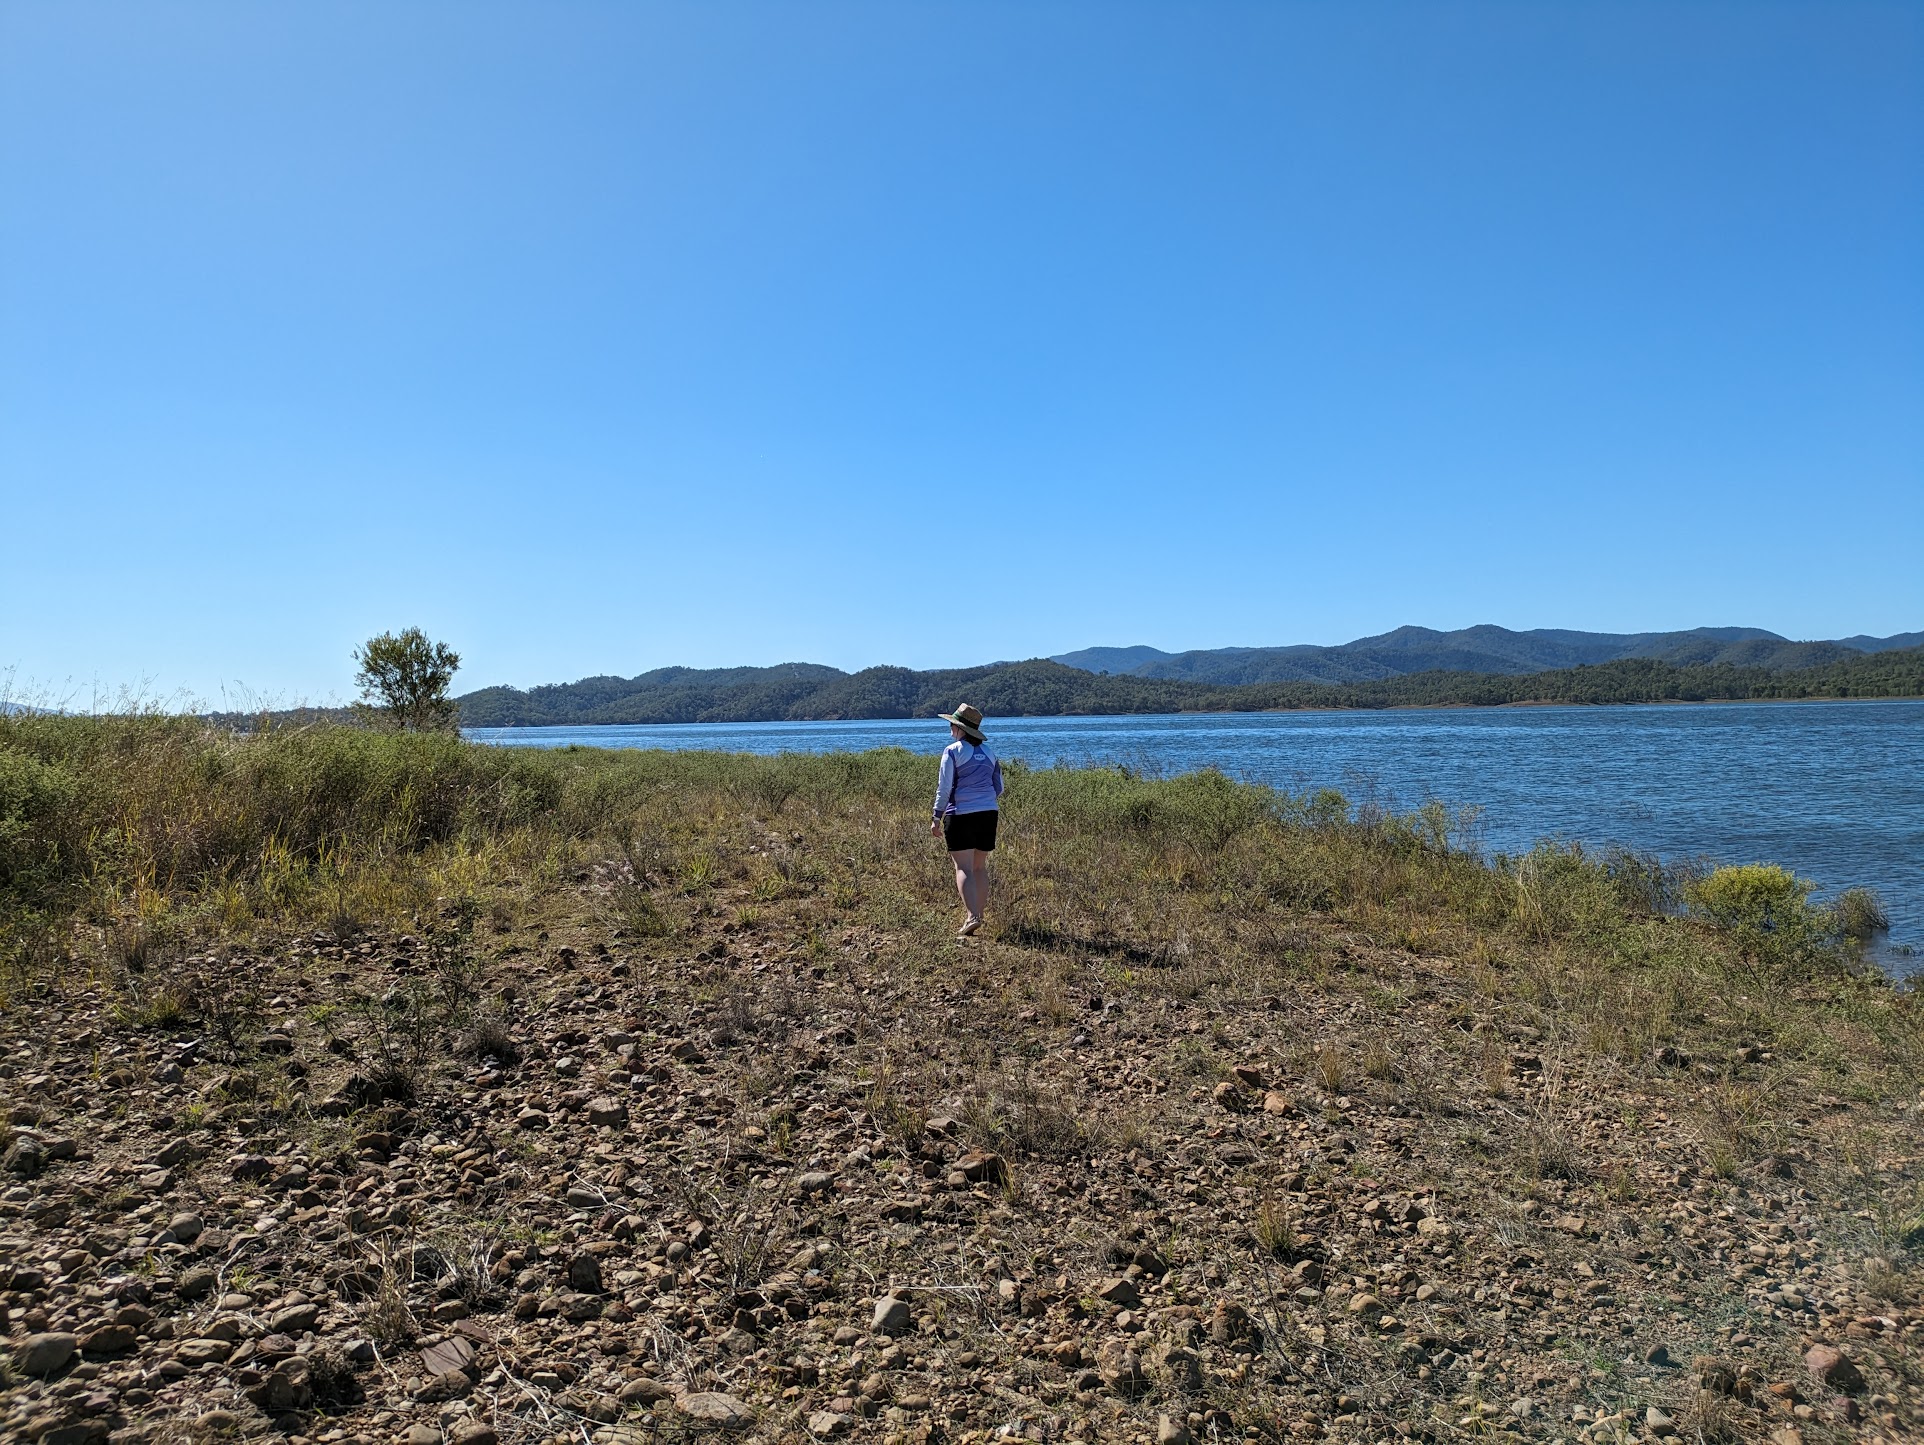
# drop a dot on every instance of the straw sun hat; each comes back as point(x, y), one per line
point(969, 719)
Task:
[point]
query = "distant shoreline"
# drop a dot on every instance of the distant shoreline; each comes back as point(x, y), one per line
point(1042, 687)
point(1210, 712)
point(1650, 702)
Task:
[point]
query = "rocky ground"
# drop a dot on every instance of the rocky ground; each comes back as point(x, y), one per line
point(748, 1164)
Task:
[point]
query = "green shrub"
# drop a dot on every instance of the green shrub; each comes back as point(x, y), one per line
point(36, 803)
point(1751, 896)
point(1767, 911)
point(1859, 913)
point(1559, 891)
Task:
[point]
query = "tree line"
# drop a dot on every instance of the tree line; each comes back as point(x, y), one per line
point(800, 692)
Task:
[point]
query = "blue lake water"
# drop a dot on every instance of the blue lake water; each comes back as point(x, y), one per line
point(1833, 790)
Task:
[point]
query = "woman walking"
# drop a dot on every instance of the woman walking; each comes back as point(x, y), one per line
point(965, 809)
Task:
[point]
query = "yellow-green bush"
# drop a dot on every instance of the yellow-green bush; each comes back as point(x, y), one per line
point(1768, 913)
point(1759, 896)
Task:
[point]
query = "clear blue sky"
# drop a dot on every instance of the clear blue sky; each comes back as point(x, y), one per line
point(595, 337)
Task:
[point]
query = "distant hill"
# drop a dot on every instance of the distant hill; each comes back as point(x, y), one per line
point(1116, 659)
point(1044, 687)
point(1483, 649)
point(675, 694)
point(1894, 643)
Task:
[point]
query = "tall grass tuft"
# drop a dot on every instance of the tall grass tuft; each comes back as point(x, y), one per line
point(1859, 913)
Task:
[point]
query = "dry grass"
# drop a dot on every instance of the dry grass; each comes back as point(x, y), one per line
point(1332, 1068)
point(135, 844)
point(1275, 1227)
point(1184, 927)
point(386, 1314)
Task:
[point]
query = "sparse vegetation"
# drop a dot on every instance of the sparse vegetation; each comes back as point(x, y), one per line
point(1332, 1068)
point(1219, 1046)
point(1275, 1227)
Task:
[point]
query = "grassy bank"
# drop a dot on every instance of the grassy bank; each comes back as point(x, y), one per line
point(1251, 1113)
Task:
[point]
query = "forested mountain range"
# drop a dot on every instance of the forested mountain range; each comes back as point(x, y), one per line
point(1483, 649)
point(1045, 687)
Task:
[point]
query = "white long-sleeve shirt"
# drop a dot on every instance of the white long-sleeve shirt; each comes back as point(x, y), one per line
point(971, 780)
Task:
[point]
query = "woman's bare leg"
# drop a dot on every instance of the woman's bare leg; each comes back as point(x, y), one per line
point(971, 882)
point(964, 860)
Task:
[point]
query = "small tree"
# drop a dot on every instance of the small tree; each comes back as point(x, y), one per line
point(407, 677)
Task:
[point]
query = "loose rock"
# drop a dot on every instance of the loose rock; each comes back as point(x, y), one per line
point(891, 1316)
point(45, 1354)
point(714, 1408)
point(1834, 1368)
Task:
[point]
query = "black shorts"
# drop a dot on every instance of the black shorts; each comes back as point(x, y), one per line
point(962, 831)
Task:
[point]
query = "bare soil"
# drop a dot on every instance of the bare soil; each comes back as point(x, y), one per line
point(741, 1162)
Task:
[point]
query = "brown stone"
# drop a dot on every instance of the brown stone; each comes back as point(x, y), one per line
point(711, 1407)
point(108, 1340)
point(445, 1356)
point(1120, 1366)
point(44, 1354)
point(979, 1166)
point(607, 1113)
point(1832, 1366)
point(584, 1274)
point(295, 1320)
point(203, 1352)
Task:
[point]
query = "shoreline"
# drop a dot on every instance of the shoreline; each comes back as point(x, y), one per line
point(1043, 687)
point(1412, 759)
point(1223, 712)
